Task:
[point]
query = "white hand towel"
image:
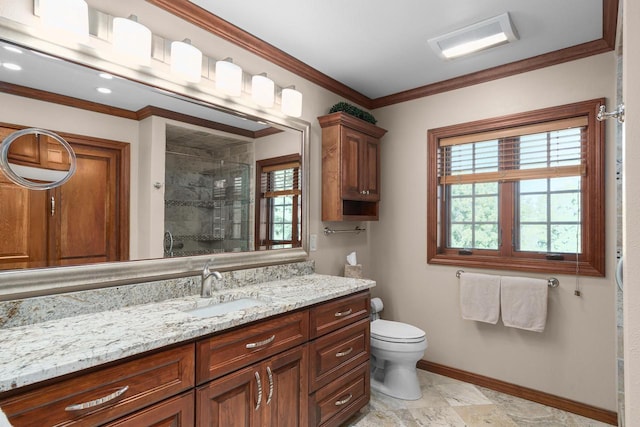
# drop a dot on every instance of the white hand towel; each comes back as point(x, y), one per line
point(480, 297)
point(524, 302)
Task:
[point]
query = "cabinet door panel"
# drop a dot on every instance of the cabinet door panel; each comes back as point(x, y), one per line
point(370, 169)
point(230, 401)
point(351, 142)
point(286, 389)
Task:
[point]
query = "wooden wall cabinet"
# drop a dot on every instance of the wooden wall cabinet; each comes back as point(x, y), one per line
point(350, 168)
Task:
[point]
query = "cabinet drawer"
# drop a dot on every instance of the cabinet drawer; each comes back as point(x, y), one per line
point(337, 353)
point(338, 401)
point(233, 350)
point(101, 396)
point(337, 313)
point(177, 411)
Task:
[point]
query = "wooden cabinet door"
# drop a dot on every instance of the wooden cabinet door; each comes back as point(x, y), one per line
point(369, 169)
point(286, 389)
point(350, 168)
point(231, 401)
point(360, 164)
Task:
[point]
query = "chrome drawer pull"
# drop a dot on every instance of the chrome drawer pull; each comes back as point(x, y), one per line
point(344, 401)
point(344, 353)
point(96, 402)
point(261, 343)
point(259, 384)
point(343, 313)
point(270, 375)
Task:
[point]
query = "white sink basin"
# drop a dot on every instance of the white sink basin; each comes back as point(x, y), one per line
point(221, 308)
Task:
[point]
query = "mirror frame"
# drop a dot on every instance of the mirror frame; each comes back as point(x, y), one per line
point(16, 284)
point(5, 165)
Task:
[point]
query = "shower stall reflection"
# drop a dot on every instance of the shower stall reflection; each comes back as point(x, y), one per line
point(207, 204)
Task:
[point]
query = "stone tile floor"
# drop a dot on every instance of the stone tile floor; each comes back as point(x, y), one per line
point(447, 402)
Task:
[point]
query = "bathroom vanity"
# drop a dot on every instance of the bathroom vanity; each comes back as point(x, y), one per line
point(299, 356)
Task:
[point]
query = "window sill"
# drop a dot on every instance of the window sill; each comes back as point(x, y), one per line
point(519, 264)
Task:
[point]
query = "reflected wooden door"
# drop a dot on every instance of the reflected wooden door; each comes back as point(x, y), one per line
point(86, 220)
point(23, 223)
point(84, 223)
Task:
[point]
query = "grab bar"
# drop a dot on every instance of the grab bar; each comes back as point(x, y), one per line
point(552, 282)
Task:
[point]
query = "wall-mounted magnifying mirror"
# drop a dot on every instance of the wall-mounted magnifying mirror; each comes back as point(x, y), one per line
point(37, 159)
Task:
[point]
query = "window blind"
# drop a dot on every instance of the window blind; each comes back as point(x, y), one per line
point(280, 180)
point(546, 150)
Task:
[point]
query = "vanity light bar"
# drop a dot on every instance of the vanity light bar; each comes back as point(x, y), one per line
point(183, 59)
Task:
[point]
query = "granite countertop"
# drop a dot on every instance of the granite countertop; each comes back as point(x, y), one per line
point(45, 350)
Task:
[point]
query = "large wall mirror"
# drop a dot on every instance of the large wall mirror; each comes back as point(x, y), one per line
point(191, 192)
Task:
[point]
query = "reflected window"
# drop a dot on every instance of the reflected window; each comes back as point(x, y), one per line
point(278, 210)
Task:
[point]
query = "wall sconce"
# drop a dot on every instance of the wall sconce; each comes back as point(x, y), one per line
point(132, 40)
point(67, 18)
point(291, 103)
point(228, 77)
point(263, 90)
point(186, 61)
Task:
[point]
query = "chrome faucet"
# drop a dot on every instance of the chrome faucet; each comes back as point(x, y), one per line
point(207, 280)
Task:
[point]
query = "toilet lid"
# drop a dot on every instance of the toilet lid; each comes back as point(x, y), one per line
point(388, 330)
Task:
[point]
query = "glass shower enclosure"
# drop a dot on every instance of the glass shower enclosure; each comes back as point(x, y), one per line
point(207, 205)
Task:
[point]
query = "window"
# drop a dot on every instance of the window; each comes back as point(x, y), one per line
point(278, 209)
point(522, 192)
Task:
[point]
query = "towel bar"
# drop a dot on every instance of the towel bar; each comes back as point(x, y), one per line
point(552, 282)
point(357, 230)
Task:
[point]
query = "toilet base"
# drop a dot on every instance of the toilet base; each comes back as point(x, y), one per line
point(400, 382)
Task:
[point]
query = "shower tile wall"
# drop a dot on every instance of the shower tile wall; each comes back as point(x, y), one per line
point(208, 206)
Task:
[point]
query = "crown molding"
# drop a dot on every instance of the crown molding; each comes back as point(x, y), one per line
point(229, 32)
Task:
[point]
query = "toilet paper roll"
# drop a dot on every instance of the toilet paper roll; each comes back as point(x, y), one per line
point(376, 305)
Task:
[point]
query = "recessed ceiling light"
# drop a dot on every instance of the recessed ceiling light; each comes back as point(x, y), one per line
point(106, 76)
point(12, 67)
point(103, 90)
point(12, 49)
point(481, 35)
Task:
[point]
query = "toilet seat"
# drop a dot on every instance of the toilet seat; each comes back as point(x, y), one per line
point(396, 332)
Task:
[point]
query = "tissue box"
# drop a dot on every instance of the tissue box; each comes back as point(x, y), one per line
point(354, 271)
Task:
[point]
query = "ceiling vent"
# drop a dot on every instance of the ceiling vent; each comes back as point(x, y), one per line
point(482, 35)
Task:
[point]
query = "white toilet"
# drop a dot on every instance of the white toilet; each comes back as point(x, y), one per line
point(396, 347)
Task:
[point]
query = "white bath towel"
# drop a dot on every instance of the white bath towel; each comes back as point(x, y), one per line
point(523, 301)
point(480, 297)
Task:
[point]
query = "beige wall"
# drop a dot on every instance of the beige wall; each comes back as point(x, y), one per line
point(631, 239)
point(575, 356)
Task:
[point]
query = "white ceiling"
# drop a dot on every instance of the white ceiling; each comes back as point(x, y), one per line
point(379, 47)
